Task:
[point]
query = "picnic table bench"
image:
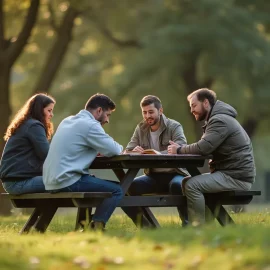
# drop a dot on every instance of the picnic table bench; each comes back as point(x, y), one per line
point(126, 167)
point(45, 204)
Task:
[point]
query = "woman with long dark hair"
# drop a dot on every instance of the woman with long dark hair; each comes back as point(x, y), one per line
point(27, 145)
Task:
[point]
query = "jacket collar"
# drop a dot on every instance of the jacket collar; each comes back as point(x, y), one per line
point(87, 113)
point(208, 117)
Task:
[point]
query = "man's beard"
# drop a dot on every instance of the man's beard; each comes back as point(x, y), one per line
point(154, 121)
point(101, 120)
point(202, 116)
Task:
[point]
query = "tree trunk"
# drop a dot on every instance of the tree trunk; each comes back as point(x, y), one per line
point(57, 52)
point(191, 83)
point(5, 111)
point(9, 52)
point(250, 125)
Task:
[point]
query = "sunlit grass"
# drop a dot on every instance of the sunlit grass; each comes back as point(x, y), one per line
point(123, 246)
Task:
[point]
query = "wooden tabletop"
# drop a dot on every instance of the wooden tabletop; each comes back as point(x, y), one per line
point(148, 161)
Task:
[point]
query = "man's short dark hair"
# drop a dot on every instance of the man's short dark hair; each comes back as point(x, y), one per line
point(100, 100)
point(148, 100)
point(204, 93)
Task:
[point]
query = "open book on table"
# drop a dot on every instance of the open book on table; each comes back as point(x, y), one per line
point(145, 152)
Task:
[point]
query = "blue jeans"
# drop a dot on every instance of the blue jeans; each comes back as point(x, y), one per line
point(88, 183)
point(32, 185)
point(156, 183)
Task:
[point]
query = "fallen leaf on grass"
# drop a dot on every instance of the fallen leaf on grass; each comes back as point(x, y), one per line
point(238, 257)
point(110, 260)
point(158, 247)
point(34, 260)
point(169, 266)
point(82, 262)
point(196, 261)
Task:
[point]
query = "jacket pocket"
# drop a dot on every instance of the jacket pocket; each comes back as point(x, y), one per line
point(165, 140)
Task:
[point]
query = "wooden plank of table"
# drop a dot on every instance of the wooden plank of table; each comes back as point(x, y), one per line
point(148, 161)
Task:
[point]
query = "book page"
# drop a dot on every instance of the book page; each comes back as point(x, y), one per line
point(145, 152)
point(151, 152)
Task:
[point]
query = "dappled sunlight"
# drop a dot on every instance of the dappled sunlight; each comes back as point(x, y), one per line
point(126, 104)
point(63, 6)
point(32, 48)
point(90, 46)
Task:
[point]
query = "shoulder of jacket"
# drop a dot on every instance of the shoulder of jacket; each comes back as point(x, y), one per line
point(32, 121)
point(221, 117)
point(141, 126)
point(172, 123)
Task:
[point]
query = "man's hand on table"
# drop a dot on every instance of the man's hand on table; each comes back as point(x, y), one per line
point(173, 147)
point(137, 149)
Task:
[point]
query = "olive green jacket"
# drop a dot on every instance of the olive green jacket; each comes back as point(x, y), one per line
point(170, 130)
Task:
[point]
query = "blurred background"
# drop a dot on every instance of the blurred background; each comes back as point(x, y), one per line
point(128, 49)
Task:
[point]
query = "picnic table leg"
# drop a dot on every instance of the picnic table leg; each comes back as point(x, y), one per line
point(220, 213)
point(31, 221)
point(126, 180)
point(150, 217)
point(46, 215)
point(84, 217)
point(193, 171)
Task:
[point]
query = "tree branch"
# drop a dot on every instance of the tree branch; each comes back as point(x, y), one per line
point(57, 52)
point(16, 47)
point(2, 34)
point(106, 32)
point(52, 17)
point(190, 80)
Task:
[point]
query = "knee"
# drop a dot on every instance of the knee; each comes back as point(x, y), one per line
point(175, 187)
point(189, 185)
point(136, 188)
point(118, 192)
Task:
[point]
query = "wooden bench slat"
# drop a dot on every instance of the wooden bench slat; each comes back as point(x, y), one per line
point(82, 195)
point(60, 195)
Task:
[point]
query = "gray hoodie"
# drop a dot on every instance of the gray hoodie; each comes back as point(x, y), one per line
point(226, 140)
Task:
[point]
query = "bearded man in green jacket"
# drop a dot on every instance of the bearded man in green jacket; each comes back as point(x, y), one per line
point(232, 166)
point(155, 131)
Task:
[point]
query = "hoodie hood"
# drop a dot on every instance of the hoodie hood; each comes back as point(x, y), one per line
point(221, 107)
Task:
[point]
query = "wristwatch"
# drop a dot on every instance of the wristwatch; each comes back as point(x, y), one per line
point(178, 150)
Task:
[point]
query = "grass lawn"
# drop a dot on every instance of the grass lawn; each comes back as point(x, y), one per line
point(123, 246)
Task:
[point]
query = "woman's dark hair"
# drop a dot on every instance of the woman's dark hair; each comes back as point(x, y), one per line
point(100, 100)
point(204, 93)
point(148, 100)
point(33, 108)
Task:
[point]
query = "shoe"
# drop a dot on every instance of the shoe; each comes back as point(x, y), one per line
point(97, 226)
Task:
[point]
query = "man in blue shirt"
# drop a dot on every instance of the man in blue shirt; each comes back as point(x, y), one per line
point(76, 143)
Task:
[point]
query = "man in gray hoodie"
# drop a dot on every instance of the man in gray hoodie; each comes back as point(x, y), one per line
point(76, 143)
point(232, 166)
